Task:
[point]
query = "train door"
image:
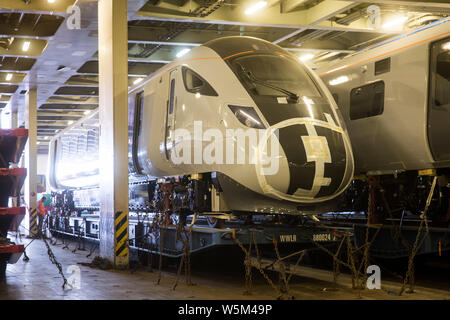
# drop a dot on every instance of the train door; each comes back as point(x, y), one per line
point(170, 113)
point(439, 100)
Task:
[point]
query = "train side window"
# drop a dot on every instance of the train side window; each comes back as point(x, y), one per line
point(194, 83)
point(441, 74)
point(382, 66)
point(438, 128)
point(172, 96)
point(138, 111)
point(367, 101)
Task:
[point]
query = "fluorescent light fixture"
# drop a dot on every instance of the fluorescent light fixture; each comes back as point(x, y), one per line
point(26, 46)
point(138, 80)
point(339, 80)
point(9, 77)
point(306, 57)
point(396, 22)
point(256, 7)
point(182, 52)
point(446, 46)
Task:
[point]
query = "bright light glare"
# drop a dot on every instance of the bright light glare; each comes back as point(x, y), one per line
point(339, 80)
point(250, 117)
point(87, 112)
point(51, 1)
point(26, 46)
point(182, 52)
point(256, 7)
point(9, 76)
point(138, 80)
point(395, 22)
point(70, 122)
point(309, 104)
point(198, 95)
point(446, 46)
point(306, 57)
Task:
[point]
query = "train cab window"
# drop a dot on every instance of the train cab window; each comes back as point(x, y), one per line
point(194, 83)
point(367, 101)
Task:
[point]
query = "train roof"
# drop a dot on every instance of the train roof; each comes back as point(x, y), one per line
point(391, 45)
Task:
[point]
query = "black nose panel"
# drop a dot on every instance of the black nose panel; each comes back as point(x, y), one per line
point(336, 169)
point(301, 172)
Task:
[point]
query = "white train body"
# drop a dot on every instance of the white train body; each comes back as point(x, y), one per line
point(191, 116)
point(395, 99)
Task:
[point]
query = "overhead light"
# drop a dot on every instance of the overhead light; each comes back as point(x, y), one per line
point(396, 22)
point(446, 46)
point(87, 112)
point(70, 122)
point(38, 142)
point(339, 80)
point(26, 46)
point(256, 7)
point(45, 138)
point(51, 1)
point(9, 77)
point(138, 80)
point(306, 57)
point(198, 95)
point(182, 52)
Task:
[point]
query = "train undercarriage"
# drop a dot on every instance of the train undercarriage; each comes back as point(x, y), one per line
point(390, 202)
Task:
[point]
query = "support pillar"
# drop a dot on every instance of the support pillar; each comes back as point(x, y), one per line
point(113, 87)
point(30, 222)
point(14, 118)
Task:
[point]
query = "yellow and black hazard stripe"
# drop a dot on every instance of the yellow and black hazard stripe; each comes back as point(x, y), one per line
point(33, 221)
point(121, 233)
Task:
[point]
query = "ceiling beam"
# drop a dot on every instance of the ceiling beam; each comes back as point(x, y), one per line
point(409, 3)
point(320, 13)
point(270, 17)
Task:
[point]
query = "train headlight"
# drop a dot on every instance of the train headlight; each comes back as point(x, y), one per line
point(248, 117)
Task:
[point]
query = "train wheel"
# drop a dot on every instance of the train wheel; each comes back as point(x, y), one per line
point(215, 222)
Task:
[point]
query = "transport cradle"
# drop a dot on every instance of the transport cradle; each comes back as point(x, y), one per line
point(202, 237)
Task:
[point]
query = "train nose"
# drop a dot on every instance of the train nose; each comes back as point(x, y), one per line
point(315, 161)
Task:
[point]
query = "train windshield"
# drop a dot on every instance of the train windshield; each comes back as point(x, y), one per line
point(281, 87)
point(266, 74)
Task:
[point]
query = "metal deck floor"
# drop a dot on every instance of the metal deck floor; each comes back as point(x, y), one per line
point(39, 279)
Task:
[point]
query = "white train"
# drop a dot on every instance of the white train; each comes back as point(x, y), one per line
point(395, 100)
point(237, 124)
